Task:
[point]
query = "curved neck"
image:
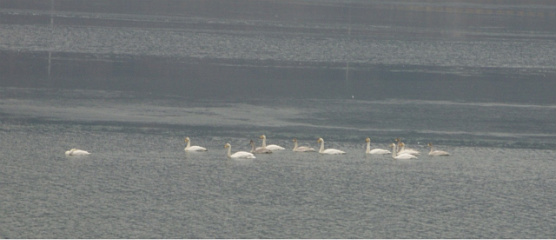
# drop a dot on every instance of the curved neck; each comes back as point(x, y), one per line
point(294, 145)
point(321, 146)
point(264, 142)
point(431, 150)
point(368, 147)
point(188, 144)
point(230, 151)
point(394, 150)
point(402, 148)
point(252, 147)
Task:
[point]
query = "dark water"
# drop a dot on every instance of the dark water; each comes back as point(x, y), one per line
point(129, 82)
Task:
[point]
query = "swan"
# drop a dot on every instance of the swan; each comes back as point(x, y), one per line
point(272, 146)
point(240, 154)
point(259, 150)
point(437, 152)
point(400, 156)
point(190, 148)
point(76, 152)
point(328, 151)
point(376, 150)
point(408, 150)
point(302, 148)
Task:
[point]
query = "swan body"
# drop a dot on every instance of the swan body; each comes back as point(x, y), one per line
point(77, 152)
point(400, 156)
point(189, 148)
point(437, 152)
point(376, 150)
point(240, 154)
point(302, 148)
point(408, 150)
point(330, 151)
point(272, 147)
point(258, 150)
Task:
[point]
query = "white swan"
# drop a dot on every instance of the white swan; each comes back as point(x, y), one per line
point(240, 154)
point(376, 150)
point(76, 152)
point(302, 148)
point(408, 150)
point(328, 151)
point(259, 150)
point(272, 147)
point(400, 156)
point(189, 148)
point(437, 152)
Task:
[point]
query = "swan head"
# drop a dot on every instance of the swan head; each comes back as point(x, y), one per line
point(397, 140)
point(392, 145)
point(227, 145)
point(320, 140)
point(430, 144)
point(251, 143)
point(187, 139)
point(294, 140)
point(68, 152)
point(367, 140)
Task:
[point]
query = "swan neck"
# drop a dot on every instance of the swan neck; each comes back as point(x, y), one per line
point(368, 147)
point(321, 146)
point(294, 145)
point(229, 153)
point(394, 151)
point(264, 142)
point(188, 144)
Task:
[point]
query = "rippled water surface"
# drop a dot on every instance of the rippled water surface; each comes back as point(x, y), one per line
point(139, 183)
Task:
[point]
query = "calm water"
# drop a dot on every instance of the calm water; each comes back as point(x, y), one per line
point(129, 83)
point(139, 183)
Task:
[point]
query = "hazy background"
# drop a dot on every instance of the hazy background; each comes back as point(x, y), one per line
point(486, 51)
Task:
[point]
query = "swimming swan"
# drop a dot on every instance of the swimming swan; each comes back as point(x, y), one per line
point(330, 151)
point(272, 146)
point(408, 150)
point(258, 150)
point(76, 152)
point(302, 148)
point(400, 156)
point(437, 152)
point(376, 150)
point(240, 154)
point(190, 148)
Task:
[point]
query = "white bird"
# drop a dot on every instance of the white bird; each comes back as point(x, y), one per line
point(328, 151)
point(400, 156)
point(408, 150)
point(302, 148)
point(76, 152)
point(437, 152)
point(240, 154)
point(189, 148)
point(376, 150)
point(259, 150)
point(272, 147)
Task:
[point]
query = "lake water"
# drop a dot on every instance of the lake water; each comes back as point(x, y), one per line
point(140, 183)
point(128, 82)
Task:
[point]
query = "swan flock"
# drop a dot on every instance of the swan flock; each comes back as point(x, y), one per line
point(398, 149)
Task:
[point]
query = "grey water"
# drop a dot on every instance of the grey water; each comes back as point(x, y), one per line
point(140, 183)
point(129, 82)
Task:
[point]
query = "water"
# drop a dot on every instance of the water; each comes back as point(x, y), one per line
point(129, 82)
point(139, 183)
